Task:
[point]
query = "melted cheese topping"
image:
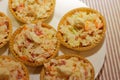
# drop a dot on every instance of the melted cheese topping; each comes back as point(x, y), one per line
point(35, 43)
point(4, 23)
point(11, 70)
point(67, 69)
point(82, 29)
point(32, 9)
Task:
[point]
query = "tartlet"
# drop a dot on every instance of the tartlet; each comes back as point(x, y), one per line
point(81, 29)
point(67, 67)
point(11, 69)
point(27, 11)
point(5, 29)
point(34, 43)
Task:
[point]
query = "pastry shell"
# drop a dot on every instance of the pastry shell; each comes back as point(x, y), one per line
point(9, 27)
point(81, 48)
point(35, 64)
point(23, 66)
point(23, 20)
point(42, 73)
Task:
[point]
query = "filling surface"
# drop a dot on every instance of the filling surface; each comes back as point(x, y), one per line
point(82, 29)
point(4, 23)
point(35, 43)
point(11, 70)
point(32, 9)
point(67, 69)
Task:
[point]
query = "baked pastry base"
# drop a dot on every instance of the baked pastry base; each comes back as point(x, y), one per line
point(55, 53)
point(81, 48)
point(42, 73)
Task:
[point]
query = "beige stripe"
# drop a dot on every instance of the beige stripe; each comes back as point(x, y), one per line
point(101, 75)
point(117, 16)
point(115, 27)
point(112, 43)
point(104, 71)
point(108, 67)
point(113, 38)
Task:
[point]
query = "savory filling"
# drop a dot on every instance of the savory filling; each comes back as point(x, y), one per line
point(32, 9)
point(82, 29)
point(67, 69)
point(4, 23)
point(35, 43)
point(11, 70)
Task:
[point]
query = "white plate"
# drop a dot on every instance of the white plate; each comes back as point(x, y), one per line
point(95, 56)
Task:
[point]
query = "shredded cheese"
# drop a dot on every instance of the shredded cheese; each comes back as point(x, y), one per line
point(81, 29)
point(67, 69)
point(4, 23)
point(11, 70)
point(35, 43)
point(32, 9)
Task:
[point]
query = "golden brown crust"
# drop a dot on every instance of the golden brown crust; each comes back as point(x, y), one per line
point(42, 73)
point(23, 66)
point(25, 21)
point(55, 53)
point(59, 35)
point(9, 28)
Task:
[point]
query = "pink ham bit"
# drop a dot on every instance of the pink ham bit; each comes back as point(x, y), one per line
point(62, 62)
point(27, 42)
point(33, 55)
point(37, 31)
point(74, 67)
point(6, 23)
point(99, 26)
point(24, 58)
point(20, 7)
point(19, 76)
point(86, 74)
point(83, 36)
point(87, 26)
point(77, 37)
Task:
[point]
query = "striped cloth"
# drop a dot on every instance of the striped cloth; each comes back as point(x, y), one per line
point(111, 11)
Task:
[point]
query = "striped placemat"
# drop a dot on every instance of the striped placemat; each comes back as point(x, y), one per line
point(111, 11)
